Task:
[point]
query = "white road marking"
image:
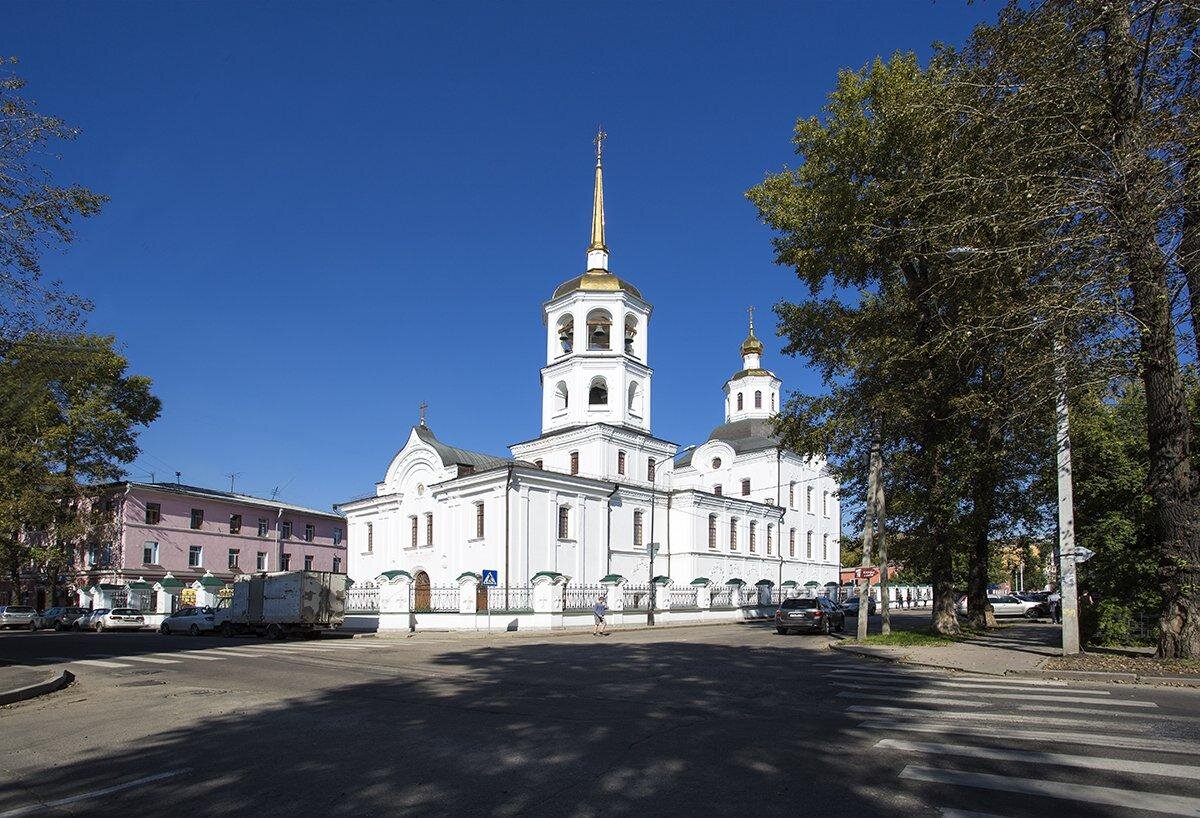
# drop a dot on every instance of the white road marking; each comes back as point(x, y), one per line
point(137, 782)
point(151, 660)
point(932, 698)
point(923, 693)
point(1049, 708)
point(923, 684)
point(1008, 718)
point(88, 662)
point(1153, 745)
point(232, 652)
point(193, 654)
point(947, 812)
point(1117, 765)
point(998, 680)
point(1108, 796)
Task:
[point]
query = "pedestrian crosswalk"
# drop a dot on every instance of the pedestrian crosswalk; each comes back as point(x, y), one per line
point(965, 740)
point(216, 653)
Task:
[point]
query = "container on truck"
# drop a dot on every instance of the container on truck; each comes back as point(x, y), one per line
point(280, 603)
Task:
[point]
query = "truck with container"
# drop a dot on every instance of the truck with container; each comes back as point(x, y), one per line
point(281, 603)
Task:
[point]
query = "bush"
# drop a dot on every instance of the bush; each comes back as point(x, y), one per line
point(1106, 623)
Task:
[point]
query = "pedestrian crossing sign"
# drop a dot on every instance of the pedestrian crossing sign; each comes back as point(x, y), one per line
point(489, 578)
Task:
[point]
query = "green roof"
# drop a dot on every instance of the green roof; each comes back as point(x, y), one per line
point(169, 582)
point(702, 581)
point(209, 581)
point(613, 578)
point(662, 580)
point(765, 582)
point(469, 574)
point(812, 583)
point(550, 574)
point(140, 585)
point(108, 586)
point(395, 573)
point(736, 581)
point(789, 583)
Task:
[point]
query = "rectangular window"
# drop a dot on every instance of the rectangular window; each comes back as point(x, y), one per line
point(310, 531)
point(808, 499)
point(153, 513)
point(412, 524)
point(717, 490)
point(564, 522)
point(770, 540)
point(337, 565)
point(620, 462)
point(733, 534)
point(825, 503)
point(150, 553)
point(235, 523)
point(285, 562)
point(195, 556)
point(429, 528)
point(792, 543)
point(260, 563)
point(370, 538)
point(792, 494)
point(825, 546)
point(808, 546)
point(479, 521)
point(197, 517)
point(234, 553)
point(93, 555)
point(337, 536)
point(263, 526)
point(574, 462)
point(637, 528)
point(308, 562)
point(753, 536)
point(746, 487)
point(286, 530)
point(650, 469)
point(712, 532)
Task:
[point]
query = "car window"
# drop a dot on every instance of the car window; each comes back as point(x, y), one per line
point(124, 611)
point(20, 609)
point(790, 604)
point(100, 611)
point(183, 612)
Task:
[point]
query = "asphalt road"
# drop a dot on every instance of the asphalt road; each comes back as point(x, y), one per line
point(720, 720)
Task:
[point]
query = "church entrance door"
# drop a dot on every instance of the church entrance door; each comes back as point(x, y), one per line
point(421, 598)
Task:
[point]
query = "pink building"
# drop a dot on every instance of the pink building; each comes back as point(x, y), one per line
point(172, 541)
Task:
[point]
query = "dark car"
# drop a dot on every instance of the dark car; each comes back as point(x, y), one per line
point(812, 614)
point(850, 606)
point(59, 619)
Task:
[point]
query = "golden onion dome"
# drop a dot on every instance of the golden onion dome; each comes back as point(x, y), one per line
point(596, 281)
point(752, 346)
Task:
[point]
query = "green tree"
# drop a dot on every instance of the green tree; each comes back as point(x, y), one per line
point(35, 213)
point(70, 416)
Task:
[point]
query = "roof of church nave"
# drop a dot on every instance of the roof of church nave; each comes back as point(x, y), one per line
point(454, 456)
point(743, 436)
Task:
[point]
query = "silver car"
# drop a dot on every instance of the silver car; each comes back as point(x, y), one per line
point(127, 619)
point(17, 616)
point(88, 621)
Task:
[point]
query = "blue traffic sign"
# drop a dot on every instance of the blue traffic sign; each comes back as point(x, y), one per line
point(489, 578)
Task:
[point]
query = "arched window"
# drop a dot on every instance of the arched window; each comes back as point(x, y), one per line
point(635, 399)
point(792, 494)
point(712, 532)
point(598, 393)
point(753, 536)
point(808, 546)
point(792, 543)
point(772, 401)
point(561, 398)
point(630, 333)
point(413, 525)
point(746, 487)
point(825, 503)
point(564, 522)
point(650, 463)
point(429, 528)
point(566, 332)
point(758, 399)
point(637, 527)
point(808, 501)
point(733, 534)
point(621, 462)
point(825, 546)
point(770, 539)
point(574, 462)
point(599, 326)
point(479, 520)
point(739, 401)
point(370, 538)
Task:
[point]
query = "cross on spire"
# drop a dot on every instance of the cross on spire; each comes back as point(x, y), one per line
point(599, 142)
point(751, 311)
point(422, 407)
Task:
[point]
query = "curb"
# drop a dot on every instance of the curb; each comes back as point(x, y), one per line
point(51, 684)
point(537, 634)
point(903, 660)
point(1109, 677)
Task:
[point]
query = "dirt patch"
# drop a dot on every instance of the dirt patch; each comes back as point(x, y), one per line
point(1118, 663)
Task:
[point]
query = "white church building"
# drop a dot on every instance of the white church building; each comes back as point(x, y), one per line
point(584, 500)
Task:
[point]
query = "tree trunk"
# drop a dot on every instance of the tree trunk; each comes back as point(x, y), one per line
point(945, 620)
point(1189, 247)
point(864, 585)
point(979, 611)
point(885, 618)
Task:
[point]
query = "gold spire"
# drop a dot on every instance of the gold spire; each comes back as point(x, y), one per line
point(752, 346)
point(598, 196)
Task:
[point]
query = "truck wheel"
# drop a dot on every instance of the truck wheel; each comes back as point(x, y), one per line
point(274, 632)
point(227, 630)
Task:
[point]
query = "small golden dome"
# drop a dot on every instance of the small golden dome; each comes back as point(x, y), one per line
point(752, 346)
point(597, 280)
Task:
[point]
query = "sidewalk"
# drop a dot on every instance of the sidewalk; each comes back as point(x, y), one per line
point(21, 682)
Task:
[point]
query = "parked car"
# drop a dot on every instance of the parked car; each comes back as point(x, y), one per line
point(1040, 598)
point(118, 619)
point(189, 620)
point(17, 616)
point(816, 614)
point(850, 606)
point(59, 619)
point(87, 622)
point(1006, 605)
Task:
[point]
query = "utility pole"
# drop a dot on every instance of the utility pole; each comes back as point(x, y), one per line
point(864, 584)
point(652, 548)
point(1066, 526)
point(233, 475)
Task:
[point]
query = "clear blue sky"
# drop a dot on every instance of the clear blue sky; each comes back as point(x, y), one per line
point(324, 213)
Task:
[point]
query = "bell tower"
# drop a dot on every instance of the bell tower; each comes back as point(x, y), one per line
point(752, 392)
point(597, 367)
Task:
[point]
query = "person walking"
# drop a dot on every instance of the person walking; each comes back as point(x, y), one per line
point(598, 611)
point(1055, 602)
point(908, 599)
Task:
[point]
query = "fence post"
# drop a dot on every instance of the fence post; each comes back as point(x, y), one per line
point(703, 586)
point(662, 599)
point(614, 598)
point(736, 595)
point(763, 589)
point(395, 612)
point(547, 599)
point(468, 582)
